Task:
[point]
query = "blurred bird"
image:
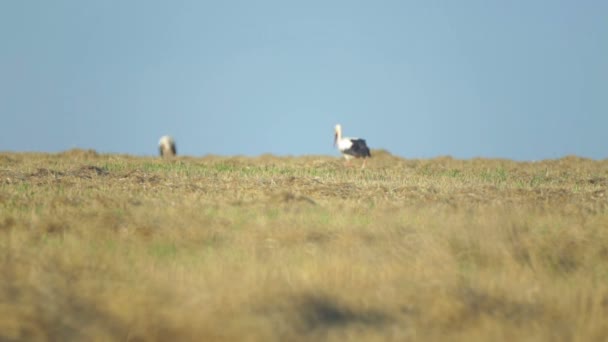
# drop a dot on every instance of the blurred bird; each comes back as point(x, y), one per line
point(351, 147)
point(166, 146)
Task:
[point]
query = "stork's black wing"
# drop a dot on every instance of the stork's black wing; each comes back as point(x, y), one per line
point(358, 148)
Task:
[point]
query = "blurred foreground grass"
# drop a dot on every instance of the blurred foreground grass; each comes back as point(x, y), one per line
point(110, 247)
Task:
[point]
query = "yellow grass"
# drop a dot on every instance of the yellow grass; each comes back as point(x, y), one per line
point(109, 247)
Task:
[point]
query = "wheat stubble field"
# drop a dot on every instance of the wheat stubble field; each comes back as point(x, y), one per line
point(97, 247)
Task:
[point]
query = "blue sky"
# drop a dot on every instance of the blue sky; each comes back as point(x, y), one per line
point(525, 80)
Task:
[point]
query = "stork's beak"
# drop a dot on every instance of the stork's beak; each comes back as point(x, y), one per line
point(335, 139)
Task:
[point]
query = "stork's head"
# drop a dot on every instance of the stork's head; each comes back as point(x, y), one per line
point(165, 140)
point(337, 133)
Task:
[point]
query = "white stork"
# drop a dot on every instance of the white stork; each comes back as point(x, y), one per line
point(351, 147)
point(166, 146)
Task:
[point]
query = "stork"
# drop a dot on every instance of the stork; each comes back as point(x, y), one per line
point(351, 147)
point(166, 146)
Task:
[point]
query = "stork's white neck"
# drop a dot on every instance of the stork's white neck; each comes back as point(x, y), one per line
point(338, 132)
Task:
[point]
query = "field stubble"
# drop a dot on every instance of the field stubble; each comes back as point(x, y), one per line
point(112, 247)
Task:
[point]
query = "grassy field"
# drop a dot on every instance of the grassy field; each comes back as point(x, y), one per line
point(97, 247)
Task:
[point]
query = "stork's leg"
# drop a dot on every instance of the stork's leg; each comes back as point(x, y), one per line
point(346, 161)
point(364, 161)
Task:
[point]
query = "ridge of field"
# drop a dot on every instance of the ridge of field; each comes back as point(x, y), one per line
point(114, 247)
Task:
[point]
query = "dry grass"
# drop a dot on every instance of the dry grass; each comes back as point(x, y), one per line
point(108, 247)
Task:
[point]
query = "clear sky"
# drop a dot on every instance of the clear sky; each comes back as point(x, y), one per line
point(516, 79)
